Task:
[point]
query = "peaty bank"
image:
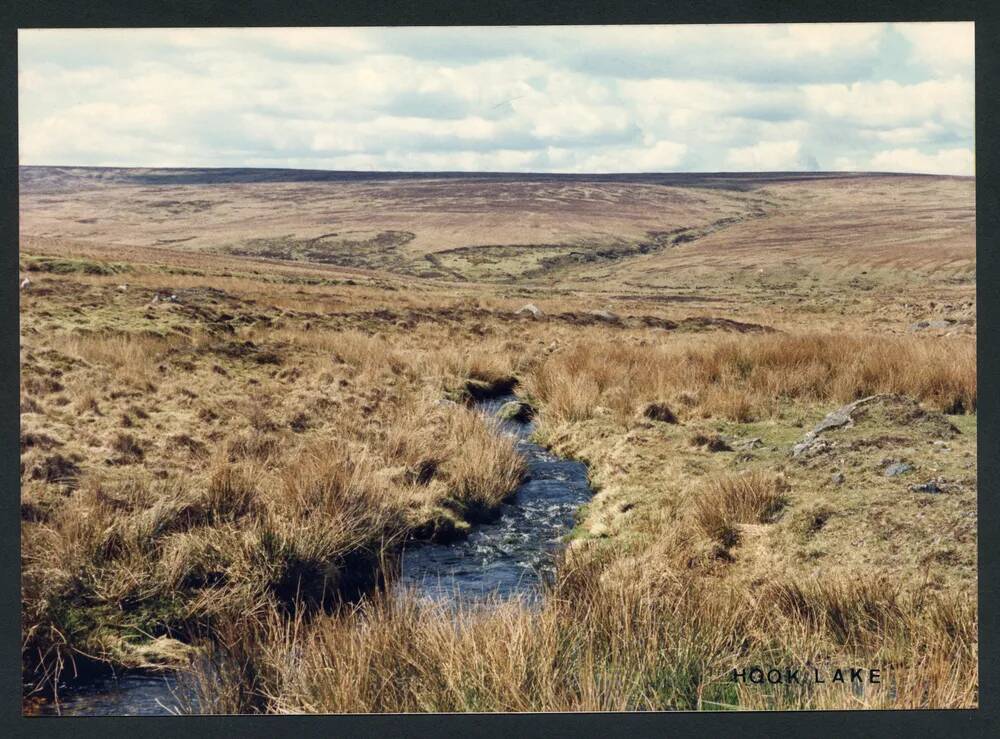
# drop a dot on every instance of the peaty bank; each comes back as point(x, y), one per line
point(807, 675)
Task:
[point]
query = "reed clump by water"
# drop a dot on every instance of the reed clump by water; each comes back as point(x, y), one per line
point(751, 377)
point(598, 644)
point(265, 513)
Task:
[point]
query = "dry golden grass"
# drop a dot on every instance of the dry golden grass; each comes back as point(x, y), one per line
point(600, 645)
point(302, 496)
point(219, 479)
point(750, 377)
point(753, 497)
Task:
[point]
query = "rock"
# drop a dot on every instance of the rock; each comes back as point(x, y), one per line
point(898, 468)
point(122, 288)
point(659, 412)
point(748, 444)
point(605, 315)
point(837, 419)
point(837, 478)
point(530, 310)
point(25, 283)
point(928, 487)
point(923, 325)
point(515, 410)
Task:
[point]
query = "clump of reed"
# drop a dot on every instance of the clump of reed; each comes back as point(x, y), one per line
point(748, 377)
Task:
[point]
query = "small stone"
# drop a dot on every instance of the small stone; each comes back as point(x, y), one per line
point(837, 478)
point(928, 487)
point(898, 468)
point(530, 310)
point(938, 325)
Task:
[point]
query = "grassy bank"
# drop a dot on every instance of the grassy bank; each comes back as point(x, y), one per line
point(695, 560)
point(172, 479)
point(604, 644)
point(225, 468)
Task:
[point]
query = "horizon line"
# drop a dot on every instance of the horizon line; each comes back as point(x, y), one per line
point(727, 173)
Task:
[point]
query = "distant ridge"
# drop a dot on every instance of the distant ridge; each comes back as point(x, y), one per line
point(60, 177)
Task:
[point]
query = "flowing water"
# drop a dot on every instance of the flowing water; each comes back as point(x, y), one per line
point(510, 557)
point(513, 555)
point(126, 694)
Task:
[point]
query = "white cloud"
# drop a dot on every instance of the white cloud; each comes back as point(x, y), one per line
point(766, 156)
point(619, 98)
point(947, 48)
point(659, 157)
point(904, 135)
point(944, 161)
point(891, 103)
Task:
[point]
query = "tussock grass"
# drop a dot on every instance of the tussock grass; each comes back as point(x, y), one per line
point(269, 521)
point(748, 377)
point(133, 358)
point(595, 645)
point(262, 545)
point(753, 497)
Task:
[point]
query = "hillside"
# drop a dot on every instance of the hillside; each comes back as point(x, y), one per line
point(639, 230)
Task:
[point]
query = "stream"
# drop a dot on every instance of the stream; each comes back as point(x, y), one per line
point(512, 556)
point(507, 558)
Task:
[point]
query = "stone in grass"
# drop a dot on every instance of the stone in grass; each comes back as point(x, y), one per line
point(659, 412)
point(515, 410)
point(530, 310)
point(939, 325)
point(930, 486)
point(837, 478)
point(898, 468)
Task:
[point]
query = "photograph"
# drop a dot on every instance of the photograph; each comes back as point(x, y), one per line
point(497, 369)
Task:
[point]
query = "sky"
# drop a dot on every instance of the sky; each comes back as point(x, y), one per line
point(845, 97)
